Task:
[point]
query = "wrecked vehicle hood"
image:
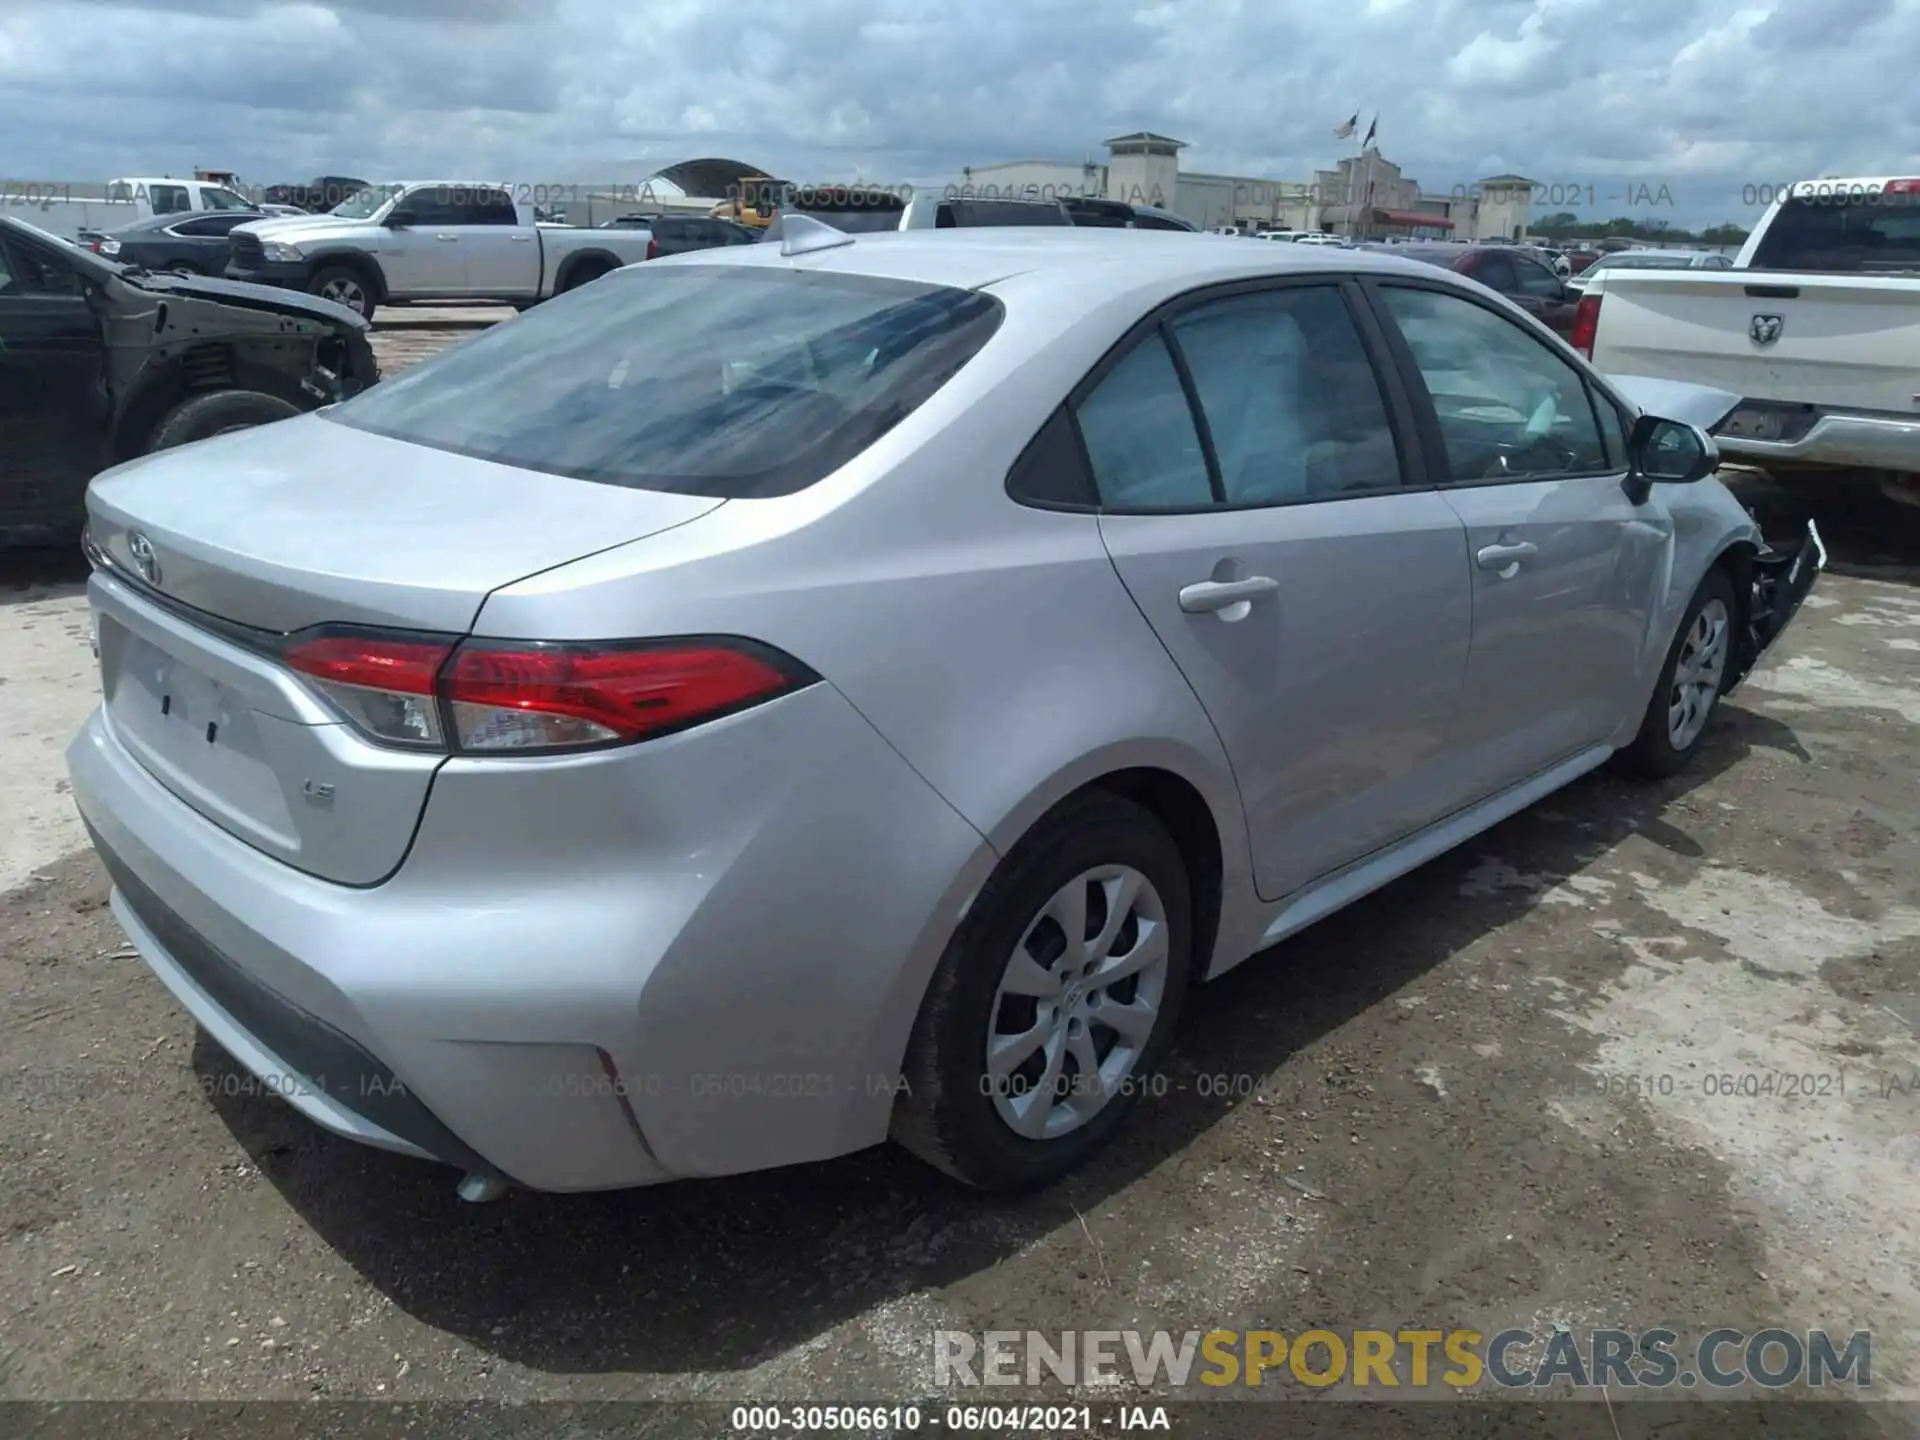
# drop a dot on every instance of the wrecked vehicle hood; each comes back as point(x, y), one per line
point(270, 298)
point(1700, 405)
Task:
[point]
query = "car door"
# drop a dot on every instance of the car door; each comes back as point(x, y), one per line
point(502, 255)
point(1252, 475)
point(419, 250)
point(204, 241)
point(53, 407)
point(1565, 565)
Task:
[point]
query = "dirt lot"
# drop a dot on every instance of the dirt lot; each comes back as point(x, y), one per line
point(1484, 1096)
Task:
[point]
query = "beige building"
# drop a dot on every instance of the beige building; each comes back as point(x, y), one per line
point(1364, 196)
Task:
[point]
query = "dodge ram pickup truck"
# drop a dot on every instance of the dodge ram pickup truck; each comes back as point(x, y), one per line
point(1816, 327)
point(429, 240)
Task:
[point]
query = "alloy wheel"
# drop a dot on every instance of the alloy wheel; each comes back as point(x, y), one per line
point(1697, 674)
point(1077, 1002)
point(344, 292)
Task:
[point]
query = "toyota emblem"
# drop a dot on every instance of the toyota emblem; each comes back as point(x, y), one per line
point(144, 560)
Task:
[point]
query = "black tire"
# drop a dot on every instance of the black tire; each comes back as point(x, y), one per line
point(1653, 753)
point(585, 273)
point(349, 285)
point(217, 412)
point(183, 267)
point(946, 1114)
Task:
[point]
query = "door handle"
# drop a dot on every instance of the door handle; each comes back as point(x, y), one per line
point(521, 239)
point(1505, 558)
point(1208, 596)
point(449, 238)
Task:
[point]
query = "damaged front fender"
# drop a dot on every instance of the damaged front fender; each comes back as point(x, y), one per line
point(168, 338)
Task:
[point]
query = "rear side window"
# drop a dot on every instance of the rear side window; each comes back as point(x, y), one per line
point(1871, 235)
point(730, 381)
point(482, 207)
point(1291, 401)
point(168, 199)
point(1140, 436)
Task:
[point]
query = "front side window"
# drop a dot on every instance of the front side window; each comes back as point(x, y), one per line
point(1496, 272)
point(1536, 280)
point(1290, 398)
point(362, 203)
point(1140, 437)
point(34, 271)
point(1508, 406)
point(729, 381)
point(427, 205)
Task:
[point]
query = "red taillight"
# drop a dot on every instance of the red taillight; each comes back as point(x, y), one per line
point(653, 248)
point(1586, 320)
point(492, 696)
point(516, 697)
point(407, 666)
point(1901, 187)
point(384, 685)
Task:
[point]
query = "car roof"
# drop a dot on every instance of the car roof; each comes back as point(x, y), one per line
point(1075, 261)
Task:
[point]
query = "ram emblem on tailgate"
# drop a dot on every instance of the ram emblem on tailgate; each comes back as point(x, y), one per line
point(1765, 329)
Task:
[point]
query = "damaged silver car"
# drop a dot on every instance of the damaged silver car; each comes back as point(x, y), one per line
point(101, 362)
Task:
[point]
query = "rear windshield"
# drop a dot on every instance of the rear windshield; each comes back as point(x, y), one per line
point(854, 219)
point(1874, 234)
point(1643, 262)
point(1007, 212)
point(724, 380)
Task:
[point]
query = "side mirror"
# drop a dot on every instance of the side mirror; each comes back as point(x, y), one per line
point(1670, 452)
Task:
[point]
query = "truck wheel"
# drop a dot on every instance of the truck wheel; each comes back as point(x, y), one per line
point(344, 286)
point(585, 273)
point(218, 412)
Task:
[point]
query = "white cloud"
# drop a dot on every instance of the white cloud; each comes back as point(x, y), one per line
point(1704, 96)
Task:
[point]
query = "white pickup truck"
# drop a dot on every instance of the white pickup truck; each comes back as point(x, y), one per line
point(59, 211)
point(1816, 327)
point(429, 240)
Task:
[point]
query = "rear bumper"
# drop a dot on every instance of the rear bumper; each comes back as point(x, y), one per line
point(1840, 439)
point(697, 957)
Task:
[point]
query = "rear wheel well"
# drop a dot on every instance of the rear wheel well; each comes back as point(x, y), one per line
point(594, 263)
point(1176, 804)
point(1737, 561)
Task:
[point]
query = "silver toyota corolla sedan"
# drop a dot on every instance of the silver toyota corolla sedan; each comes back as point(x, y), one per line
point(779, 698)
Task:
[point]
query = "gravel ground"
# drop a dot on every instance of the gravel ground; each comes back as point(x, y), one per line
point(1456, 1116)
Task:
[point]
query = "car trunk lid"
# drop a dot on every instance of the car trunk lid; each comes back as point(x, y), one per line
point(308, 522)
point(208, 556)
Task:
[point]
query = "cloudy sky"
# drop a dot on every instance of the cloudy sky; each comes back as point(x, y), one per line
point(1707, 98)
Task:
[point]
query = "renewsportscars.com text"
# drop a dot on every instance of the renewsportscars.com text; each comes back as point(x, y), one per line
point(1658, 1359)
